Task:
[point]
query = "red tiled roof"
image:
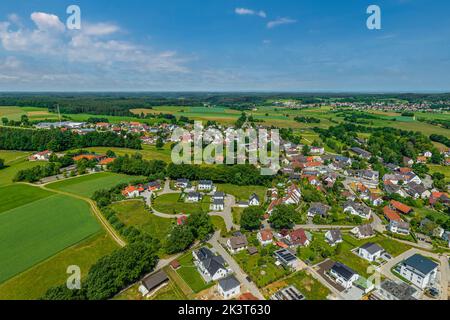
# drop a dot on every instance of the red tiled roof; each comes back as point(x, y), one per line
point(247, 296)
point(106, 161)
point(298, 236)
point(266, 235)
point(403, 208)
point(391, 215)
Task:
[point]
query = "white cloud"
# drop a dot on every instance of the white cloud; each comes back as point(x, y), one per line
point(250, 12)
point(47, 22)
point(53, 45)
point(100, 29)
point(279, 22)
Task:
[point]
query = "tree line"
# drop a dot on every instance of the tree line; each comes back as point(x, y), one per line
point(57, 140)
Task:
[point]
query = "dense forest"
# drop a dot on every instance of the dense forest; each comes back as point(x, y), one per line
point(57, 140)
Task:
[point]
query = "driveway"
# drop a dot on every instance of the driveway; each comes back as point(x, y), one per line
point(239, 274)
point(226, 214)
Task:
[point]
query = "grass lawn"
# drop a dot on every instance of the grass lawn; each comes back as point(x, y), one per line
point(261, 269)
point(350, 259)
point(133, 213)
point(17, 195)
point(172, 204)
point(88, 184)
point(306, 284)
point(34, 282)
point(219, 224)
point(394, 248)
point(442, 169)
point(188, 272)
point(242, 192)
point(35, 231)
point(425, 212)
point(237, 213)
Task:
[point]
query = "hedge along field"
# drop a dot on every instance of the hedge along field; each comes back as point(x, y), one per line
point(88, 184)
point(35, 231)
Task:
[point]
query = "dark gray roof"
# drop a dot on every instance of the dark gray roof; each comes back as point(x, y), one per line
point(218, 194)
point(400, 290)
point(420, 263)
point(155, 280)
point(371, 247)
point(194, 194)
point(319, 208)
point(336, 234)
point(366, 230)
point(229, 283)
point(342, 270)
point(218, 201)
point(254, 196)
point(205, 182)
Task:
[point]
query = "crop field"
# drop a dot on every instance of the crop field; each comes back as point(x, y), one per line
point(88, 184)
point(33, 113)
point(7, 174)
point(20, 194)
point(12, 156)
point(133, 213)
point(147, 152)
point(34, 282)
point(35, 231)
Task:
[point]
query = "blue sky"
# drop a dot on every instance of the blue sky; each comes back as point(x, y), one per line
point(224, 45)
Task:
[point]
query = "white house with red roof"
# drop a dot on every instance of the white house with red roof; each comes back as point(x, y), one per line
point(132, 191)
point(41, 156)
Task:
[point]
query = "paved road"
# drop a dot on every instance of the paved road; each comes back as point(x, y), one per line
point(226, 214)
point(240, 275)
point(444, 268)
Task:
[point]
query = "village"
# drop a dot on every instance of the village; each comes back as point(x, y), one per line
point(343, 217)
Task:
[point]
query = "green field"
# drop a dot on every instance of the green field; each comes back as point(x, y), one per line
point(88, 184)
point(12, 156)
point(19, 195)
point(147, 152)
point(33, 113)
point(13, 166)
point(34, 282)
point(35, 231)
point(133, 213)
point(243, 192)
point(442, 169)
point(172, 204)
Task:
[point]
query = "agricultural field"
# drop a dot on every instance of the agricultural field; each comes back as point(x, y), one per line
point(86, 185)
point(306, 284)
point(20, 194)
point(13, 156)
point(33, 113)
point(34, 282)
point(13, 166)
point(147, 152)
point(174, 204)
point(133, 213)
point(34, 231)
point(242, 192)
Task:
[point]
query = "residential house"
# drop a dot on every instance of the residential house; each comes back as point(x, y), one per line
point(293, 195)
point(298, 238)
point(217, 204)
point(361, 153)
point(394, 291)
point(193, 197)
point(419, 270)
point(153, 186)
point(376, 199)
point(399, 227)
point(333, 237)
point(205, 185)
point(41, 156)
point(132, 191)
point(363, 232)
point(391, 215)
point(417, 191)
point(254, 200)
point(229, 287)
point(357, 209)
point(265, 237)
point(237, 243)
point(400, 207)
point(370, 251)
point(441, 197)
point(343, 275)
point(317, 150)
point(408, 161)
point(319, 209)
point(210, 266)
point(182, 183)
point(286, 258)
point(219, 195)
